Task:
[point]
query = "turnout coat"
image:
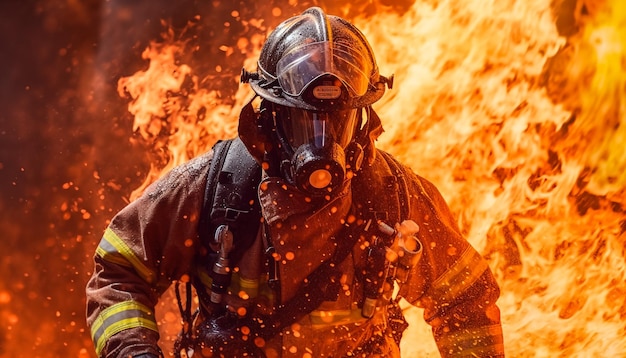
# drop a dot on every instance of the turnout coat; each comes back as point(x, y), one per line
point(154, 241)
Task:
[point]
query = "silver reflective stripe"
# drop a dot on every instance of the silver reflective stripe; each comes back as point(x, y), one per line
point(458, 278)
point(113, 249)
point(119, 317)
point(473, 342)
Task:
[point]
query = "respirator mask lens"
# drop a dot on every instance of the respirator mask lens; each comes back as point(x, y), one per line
point(300, 127)
point(318, 140)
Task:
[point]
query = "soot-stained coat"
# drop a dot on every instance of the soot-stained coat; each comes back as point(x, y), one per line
point(154, 241)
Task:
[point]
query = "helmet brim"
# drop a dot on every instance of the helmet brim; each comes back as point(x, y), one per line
point(275, 94)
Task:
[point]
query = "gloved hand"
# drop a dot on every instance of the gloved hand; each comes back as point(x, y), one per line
point(230, 336)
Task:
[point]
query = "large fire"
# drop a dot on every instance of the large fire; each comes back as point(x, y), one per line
point(515, 109)
point(522, 129)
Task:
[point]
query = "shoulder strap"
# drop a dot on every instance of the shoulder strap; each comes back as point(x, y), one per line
point(231, 196)
point(381, 191)
point(402, 190)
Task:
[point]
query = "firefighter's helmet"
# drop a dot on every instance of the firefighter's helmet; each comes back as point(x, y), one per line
point(317, 75)
point(319, 62)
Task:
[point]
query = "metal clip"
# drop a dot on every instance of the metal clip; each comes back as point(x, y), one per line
point(246, 76)
point(273, 271)
point(409, 249)
point(387, 80)
point(221, 270)
point(374, 278)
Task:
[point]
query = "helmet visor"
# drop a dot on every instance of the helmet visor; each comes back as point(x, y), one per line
point(303, 64)
point(300, 127)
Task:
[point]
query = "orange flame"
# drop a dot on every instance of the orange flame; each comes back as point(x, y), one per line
point(534, 170)
point(172, 110)
point(598, 68)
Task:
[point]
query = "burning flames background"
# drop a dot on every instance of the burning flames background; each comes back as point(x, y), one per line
point(514, 109)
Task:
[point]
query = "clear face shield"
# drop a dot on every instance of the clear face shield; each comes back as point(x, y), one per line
point(316, 142)
point(299, 67)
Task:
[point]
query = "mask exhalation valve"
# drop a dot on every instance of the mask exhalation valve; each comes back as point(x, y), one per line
point(320, 178)
point(319, 170)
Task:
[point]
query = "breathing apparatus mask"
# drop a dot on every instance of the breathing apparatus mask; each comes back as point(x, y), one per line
point(314, 149)
point(317, 78)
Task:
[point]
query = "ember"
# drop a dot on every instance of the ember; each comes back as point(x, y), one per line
point(514, 109)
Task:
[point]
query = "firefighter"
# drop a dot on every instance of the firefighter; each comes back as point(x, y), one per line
point(310, 256)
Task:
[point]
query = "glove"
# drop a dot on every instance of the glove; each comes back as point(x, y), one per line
point(229, 336)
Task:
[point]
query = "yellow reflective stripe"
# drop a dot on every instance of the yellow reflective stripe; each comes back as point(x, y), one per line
point(249, 283)
point(458, 278)
point(108, 253)
point(321, 319)
point(204, 276)
point(473, 342)
point(113, 249)
point(249, 286)
point(119, 317)
point(252, 287)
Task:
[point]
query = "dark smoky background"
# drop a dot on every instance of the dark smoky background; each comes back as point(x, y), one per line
point(68, 156)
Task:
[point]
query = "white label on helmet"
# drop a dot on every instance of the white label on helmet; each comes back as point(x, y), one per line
point(326, 92)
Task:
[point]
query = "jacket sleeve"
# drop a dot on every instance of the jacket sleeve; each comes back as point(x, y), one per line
point(452, 282)
point(146, 246)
